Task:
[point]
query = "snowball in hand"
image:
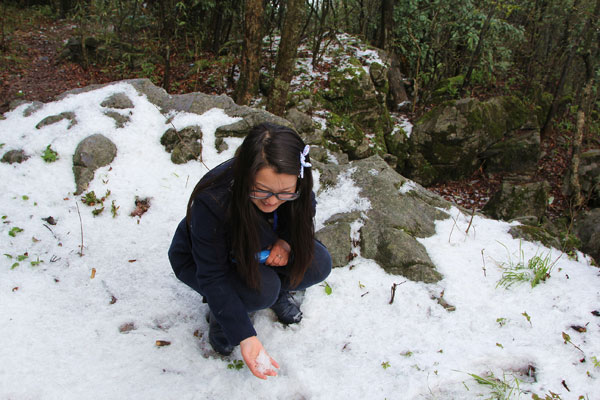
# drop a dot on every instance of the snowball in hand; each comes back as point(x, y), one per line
point(263, 362)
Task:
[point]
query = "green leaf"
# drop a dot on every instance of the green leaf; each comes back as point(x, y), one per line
point(328, 289)
point(14, 230)
point(22, 257)
point(97, 211)
point(566, 337)
point(25, 197)
point(15, 265)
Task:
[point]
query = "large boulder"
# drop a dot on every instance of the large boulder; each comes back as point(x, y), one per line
point(401, 211)
point(451, 141)
point(91, 153)
point(519, 200)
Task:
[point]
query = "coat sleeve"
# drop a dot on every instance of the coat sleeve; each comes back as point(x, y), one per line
point(210, 253)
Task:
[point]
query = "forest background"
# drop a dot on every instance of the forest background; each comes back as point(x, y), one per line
point(544, 51)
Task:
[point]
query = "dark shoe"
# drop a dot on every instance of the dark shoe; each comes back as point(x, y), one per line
point(286, 309)
point(217, 338)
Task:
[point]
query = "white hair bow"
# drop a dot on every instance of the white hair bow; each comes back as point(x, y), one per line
point(303, 162)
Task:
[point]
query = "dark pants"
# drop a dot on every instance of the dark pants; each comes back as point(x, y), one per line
point(275, 279)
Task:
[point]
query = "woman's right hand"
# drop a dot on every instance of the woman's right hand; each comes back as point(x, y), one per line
point(251, 348)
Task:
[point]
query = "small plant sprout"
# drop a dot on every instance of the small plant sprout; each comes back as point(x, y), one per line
point(14, 231)
point(500, 389)
point(596, 362)
point(527, 317)
point(236, 364)
point(114, 209)
point(328, 289)
point(567, 339)
point(385, 364)
point(49, 155)
point(501, 321)
point(36, 262)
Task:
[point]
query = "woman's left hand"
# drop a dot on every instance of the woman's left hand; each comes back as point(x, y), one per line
point(280, 254)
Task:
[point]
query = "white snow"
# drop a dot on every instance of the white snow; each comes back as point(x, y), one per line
point(86, 327)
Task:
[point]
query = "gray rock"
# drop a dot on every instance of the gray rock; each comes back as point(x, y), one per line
point(250, 120)
point(14, 156)
point(52, 119)
point(91, 153)
point(534, 233)
point(117, 100)
point(36, 105)
point(587, 228)
point(120, 119)
point(184, 145)
point(336, 236)
point(515, 200)
point(392, 224)
point(302, 122)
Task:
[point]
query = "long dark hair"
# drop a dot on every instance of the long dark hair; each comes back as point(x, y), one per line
point(277, 147)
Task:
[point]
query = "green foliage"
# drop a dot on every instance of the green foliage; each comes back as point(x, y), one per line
point(501, 389)
point(328, 289)
point(535, 270)
point(14, 231)
point(385, 364)
point(49, 155)
point(236, 364)
point(90, 199)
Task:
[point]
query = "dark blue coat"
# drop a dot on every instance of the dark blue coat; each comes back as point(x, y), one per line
point(203, 258)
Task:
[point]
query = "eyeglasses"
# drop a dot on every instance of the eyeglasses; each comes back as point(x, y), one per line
point(283, 196)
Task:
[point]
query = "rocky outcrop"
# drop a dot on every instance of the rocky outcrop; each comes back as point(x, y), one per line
point(359, 120)
point(455, 139)
point(184, 145)
point(400, 212)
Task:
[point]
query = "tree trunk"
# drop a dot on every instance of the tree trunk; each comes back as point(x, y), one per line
point(584, 108)
point(477, 52)
point(387, 22)
point(247, 85)
point(286, 57)
point(569, 49)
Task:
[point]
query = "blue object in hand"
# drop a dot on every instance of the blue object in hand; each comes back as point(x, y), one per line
point(263, 255)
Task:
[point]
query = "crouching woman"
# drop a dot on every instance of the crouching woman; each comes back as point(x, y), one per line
point(262, 199)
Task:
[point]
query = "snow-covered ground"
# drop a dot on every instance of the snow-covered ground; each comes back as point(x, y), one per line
point(91, 326)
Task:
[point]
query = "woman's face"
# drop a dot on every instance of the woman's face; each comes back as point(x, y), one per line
point(268, 180)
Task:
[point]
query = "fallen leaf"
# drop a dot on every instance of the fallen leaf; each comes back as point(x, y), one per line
point(127, 327)
point(15, 288)
point(580, 329)
point(162, 343)
point(93, 273)
point(132, 261)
